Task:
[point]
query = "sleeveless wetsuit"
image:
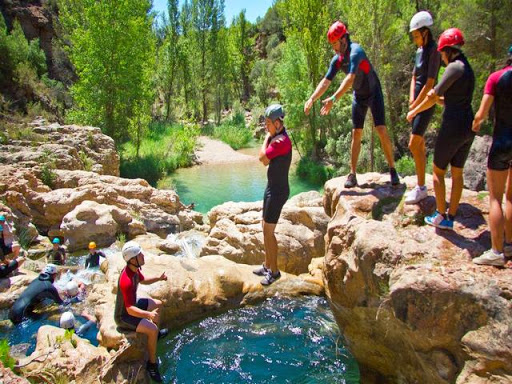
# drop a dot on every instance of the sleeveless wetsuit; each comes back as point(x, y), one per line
point(367, 91)
point(279, 152)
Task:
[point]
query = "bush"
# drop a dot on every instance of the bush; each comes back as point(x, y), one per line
point(313, 172)
point(5, 356)
point(406, 166)
point(232, 132)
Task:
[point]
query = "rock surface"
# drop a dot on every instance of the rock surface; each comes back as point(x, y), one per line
point(406, 296)
point(236, 232)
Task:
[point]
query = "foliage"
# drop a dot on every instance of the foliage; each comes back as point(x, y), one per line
point(48, 166)
point(313, 172)
point(24, 237)
point(5, 356)
point(234, 132)
point(405, 166)
point(86, 161)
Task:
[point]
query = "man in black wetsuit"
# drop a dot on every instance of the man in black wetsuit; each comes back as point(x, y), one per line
point(39, 290)
point(276, 152)
point(93, 258)
point(57, 255)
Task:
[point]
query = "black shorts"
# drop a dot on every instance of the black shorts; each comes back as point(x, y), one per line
point(421, 121)
point(360, 107)
point(6, 270)
point(273, 205)
point(5, 249)
point(131, 322)
point(454, 141)
point(500, 154)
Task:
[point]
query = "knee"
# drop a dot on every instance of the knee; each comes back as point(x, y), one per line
point(357, 134)
point(158, 303)
point(416, 145)
point(381, 130)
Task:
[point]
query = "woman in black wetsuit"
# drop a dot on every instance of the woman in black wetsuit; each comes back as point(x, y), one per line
point(455, 91)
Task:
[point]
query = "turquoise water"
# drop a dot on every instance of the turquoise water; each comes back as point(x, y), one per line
point(280, 341)
point(214, 184)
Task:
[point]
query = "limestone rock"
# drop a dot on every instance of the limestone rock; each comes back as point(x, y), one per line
point(236, 232)
point(411, 305)
point(475, 169)
point(8, 376)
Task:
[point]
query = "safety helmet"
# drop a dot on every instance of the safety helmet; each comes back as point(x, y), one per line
point(420, 20)
point(452, 37)
point(336, 31)
point(72, 288)
point(50, 269)
point(67, 320)
point(56, 240)
point(92, 245)
point(2, 218)
point(274, 112)
point(130, 250)
point(510, 50)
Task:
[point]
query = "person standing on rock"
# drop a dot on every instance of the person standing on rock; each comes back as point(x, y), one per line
point(142, 315)
point(367, 93)
point(56, 255)
point(498, 92)
point(93, 258)
point(455, 91)
point(7, 243)
point(276, 152)
point(424, 76)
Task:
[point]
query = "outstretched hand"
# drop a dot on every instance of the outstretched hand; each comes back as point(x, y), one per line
point(307, 106)
point(163, 277)
point(327, 105)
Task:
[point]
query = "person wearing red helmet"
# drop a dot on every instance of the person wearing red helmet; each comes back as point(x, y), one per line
point(367, 93)
point(498, 92)
point(424, 76)
point(455, 92)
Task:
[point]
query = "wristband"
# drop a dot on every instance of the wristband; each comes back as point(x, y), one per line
point(333, 98)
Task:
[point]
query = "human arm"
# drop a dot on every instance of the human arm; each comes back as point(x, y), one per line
point(151, 280)
point(262, 155)
point(423, 93)
point(483, 111)
point(319, 91)
point(412, 88)
point(345, 85)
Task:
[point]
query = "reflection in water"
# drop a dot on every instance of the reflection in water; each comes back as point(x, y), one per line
point(279, 341)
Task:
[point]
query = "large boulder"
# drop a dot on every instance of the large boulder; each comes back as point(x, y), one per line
point(407, 298)
point(236, 232)
point(475, 169)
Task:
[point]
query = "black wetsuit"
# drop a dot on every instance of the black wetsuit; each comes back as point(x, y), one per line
point(38, 290)
point(57, 257)
point(455, 136)
point(427, 63)
point(93, 259)
point(7, 269)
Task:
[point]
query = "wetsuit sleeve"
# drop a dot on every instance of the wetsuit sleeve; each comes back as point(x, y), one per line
point(84, 328)
point(490, 85)
point(54, 294)
point(334, 67)
point(127, 289)
point(357, 57)
point(88, 261)
point(280, 145)
point(453, 72)
point(434, 63)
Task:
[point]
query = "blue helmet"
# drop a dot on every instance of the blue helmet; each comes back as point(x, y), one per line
point(2, 218)
point(274, 112)
point(510, 50)
point(56, 241)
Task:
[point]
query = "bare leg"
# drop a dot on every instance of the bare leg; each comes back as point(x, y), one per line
point(386, 145)
point(417, 148)
point(440, 189)
point(508, 209)
point(154, 304)
point(149, 329)
point(355, 148)
point(270, 240)
point(496, 181)
point(457, 186)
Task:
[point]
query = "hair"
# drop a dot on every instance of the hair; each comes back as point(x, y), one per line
point(429, 35)
point(452, 52)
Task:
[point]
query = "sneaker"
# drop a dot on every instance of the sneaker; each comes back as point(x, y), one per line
point(395, 180)
point(162, 333)
point(490, 257)
point(152, 369)
point(416, 194)
point(270, 277)
point(351, 181)
point(439, 221)
point(507, 250)
point(261, 271)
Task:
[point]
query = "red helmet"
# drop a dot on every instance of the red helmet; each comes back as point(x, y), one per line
point(336, 31)
point(449, 38)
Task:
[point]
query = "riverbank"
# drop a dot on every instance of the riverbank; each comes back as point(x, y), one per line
point(211, 151)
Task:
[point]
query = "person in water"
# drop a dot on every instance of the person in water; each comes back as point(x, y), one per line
point(93, 258)
point(57, 255)
point(276, 152)
point(40, 289)
point(68, 321)
point(142, 315)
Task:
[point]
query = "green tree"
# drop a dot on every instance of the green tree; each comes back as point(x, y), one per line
point(113, 50)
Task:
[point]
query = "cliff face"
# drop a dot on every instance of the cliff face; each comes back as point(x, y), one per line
point(409, 301)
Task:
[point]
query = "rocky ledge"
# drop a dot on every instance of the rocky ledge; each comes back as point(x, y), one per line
point(410, 303)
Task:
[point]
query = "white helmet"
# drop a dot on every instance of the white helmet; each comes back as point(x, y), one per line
point(420, 20)
point(50, 269)
point(67, 320)
point(72, 288)
point(130, 250)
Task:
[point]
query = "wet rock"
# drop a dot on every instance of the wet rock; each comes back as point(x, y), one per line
point(8, 376)
point(409, 301)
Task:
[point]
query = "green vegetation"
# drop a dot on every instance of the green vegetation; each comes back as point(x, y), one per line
point(48, 175)
point(313, 172)
point(405, 166)
point(164, 149)
point(233, 132)
point(5, 356)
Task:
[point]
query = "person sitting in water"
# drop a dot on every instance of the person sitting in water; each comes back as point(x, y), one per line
point(68, 321)
point(7, 243)
point(40, 289)
point(74, 291)
point(57, 255)
point(142, 315)
point(93, 258)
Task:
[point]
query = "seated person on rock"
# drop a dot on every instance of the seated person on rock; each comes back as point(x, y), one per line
point(57, 255)
point(142, 315)
point(93, 258)
point(8, 266)
point(40, 289)
point(7, 243)
point(68, 321)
